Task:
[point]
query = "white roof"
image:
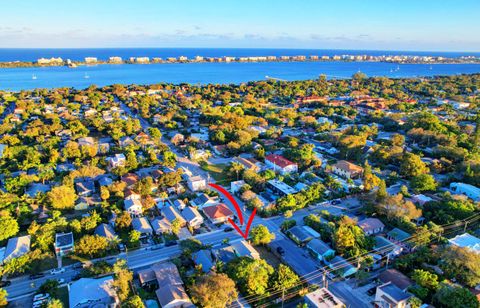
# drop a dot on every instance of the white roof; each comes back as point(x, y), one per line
point(466, 241)
point(88, 290)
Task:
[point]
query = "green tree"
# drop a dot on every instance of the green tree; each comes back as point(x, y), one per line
point(104, 193)
point(214, 290)
point(134, 236)
point(284, 278)
point(8, 226)
point(251, 275)
point(412, 165)
point(134, 301)
point(3, 297)
point(461, 264)
point(370, 180)
point(122, 279)
point(54, 303)
point(260, 235)
point(423, 182)
point(453, 297)
point(425, 279)
point(176, 226)
point(62, 197)
point(123, 221)
point(91, 246)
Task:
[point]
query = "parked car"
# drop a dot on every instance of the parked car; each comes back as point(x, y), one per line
point(77, 266)
point(41, 296)
point(56, 271)
point(61, 281)
point(5, 283)
point(280, 250)
point(36, 276)
point(171, 243)
point(335, 202)
point(228, 229)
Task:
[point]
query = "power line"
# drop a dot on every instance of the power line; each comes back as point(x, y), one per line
point(347, 262)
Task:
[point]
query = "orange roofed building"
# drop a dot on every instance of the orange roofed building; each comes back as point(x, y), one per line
point(218, 213)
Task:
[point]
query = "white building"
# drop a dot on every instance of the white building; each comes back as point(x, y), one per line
point(281, 164)
point(196, 183)
point(91, 60)
point(466, 241)
point(466, 189)
point(390, 296)
point(133, 205)
point(236, 185)
point(322, 298)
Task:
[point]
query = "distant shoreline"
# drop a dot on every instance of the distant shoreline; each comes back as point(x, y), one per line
point(92, 61)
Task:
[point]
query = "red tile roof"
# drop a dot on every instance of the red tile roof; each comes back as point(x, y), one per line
point(278, 160)
point(217, 211)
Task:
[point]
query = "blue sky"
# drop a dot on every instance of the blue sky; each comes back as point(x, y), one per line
point(444, 25)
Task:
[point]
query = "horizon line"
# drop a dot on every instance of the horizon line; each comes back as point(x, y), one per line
point(253, 48)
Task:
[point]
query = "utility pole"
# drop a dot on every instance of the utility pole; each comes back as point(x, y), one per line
point(283, 295)
point(324, 279)
point(388, 259)
point(465, 228)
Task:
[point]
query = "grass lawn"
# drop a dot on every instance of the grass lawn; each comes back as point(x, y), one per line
point(216, 171)
point(268, 256)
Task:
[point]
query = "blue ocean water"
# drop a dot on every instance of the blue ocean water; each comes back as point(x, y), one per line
point(202, 73)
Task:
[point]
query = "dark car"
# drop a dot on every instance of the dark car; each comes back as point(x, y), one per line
point(228, 229)
point(335, 202)
point(77, 266)
point(76, 277)
point(280, 250)
point(171, 243)
point(36, 276)
point(5, 283)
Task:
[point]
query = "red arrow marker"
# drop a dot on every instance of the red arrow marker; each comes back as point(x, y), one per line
point(249, 223)
point(239, 212)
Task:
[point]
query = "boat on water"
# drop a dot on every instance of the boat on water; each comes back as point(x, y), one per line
point(86, 76)
point(34, 76)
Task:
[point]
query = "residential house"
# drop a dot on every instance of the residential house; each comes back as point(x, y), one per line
point(320, 250)
point(130, 179)
point(466, 189)
point(248, 163)
point(142, 225)
point(172, 214)
point(179, 204)
point(299, 235)
point(280, 164)
point(161, 226)
point(93, 292)
point(170, 292)
point(119, 160)
point(347, 170)
point(17, 247)
point(235, 250)
point(63, 244)
point(342, 267)
point(390, 296)
point(466, 241)
point(85, 188)
point(385, 247)
point(196, 183)
point(106, 231)
point(192, 217)
point(236, 186)
point(395, 277)
point(81, 204)
point(399, 236)
point(280, 188)
point(133, 205)
point(322, 298)
point(204, 200)
point(203, 258)
point(218, 213)
point(371, 225)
